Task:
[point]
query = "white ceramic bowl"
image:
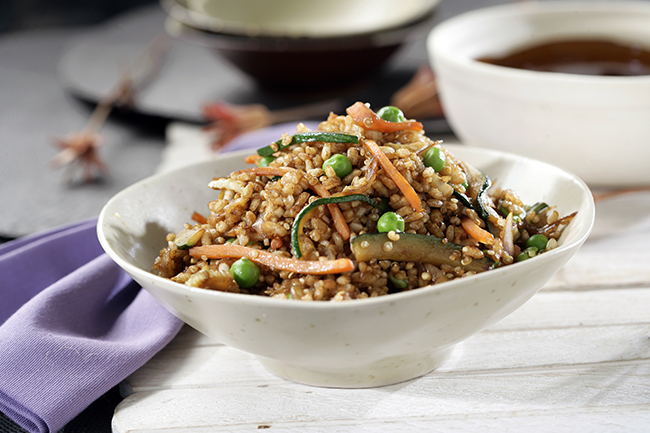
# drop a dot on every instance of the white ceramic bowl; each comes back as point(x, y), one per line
point(298, 18)
point(363, 343)
point(596, 126)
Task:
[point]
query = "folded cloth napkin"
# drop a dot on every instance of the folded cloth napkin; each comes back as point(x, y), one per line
point(72, 326)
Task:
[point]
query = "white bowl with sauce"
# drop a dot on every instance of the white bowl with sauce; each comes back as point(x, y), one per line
point(349, 344)
point(593, 125)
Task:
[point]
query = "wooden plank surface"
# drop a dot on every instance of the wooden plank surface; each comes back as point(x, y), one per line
point(592, 363)
point(436, 400)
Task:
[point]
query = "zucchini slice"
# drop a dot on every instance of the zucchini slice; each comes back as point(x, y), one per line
point(476, 196)
point(306, 137)
point(187, 238)
point(304, 214)
point(414, 248)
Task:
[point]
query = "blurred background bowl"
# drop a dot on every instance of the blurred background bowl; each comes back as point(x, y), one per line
point(298, 45)
point(596, 126)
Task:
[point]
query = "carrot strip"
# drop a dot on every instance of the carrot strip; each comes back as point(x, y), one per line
point(252, 159)
point(396, 176)
point(366, 118)
point(340, 224)
point(311, 267)
point(199, 218)
point(477, 232)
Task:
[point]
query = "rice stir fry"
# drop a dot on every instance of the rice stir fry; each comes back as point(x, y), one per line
point(365, 206)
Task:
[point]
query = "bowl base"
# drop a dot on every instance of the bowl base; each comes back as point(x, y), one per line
point(385, 372)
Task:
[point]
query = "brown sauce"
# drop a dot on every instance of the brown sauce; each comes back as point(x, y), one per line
point(588, 57)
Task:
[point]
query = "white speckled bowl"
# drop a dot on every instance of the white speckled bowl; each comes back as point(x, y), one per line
point(352, 344)
point(298, 18)
point(596, 126)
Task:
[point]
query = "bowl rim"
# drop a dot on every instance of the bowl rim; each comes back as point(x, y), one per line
point(436, 44)
point(263, 301)
point(179, 10)
point(185, 32)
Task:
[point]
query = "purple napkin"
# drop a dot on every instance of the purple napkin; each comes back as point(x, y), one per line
point(72, 326)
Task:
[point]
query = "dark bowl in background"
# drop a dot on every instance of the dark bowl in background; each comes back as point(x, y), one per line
point(282, 62)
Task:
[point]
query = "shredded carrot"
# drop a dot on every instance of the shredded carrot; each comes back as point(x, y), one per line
point(311, 267)
point(396, 176)
point(252, 159)
point(477, 232)
point(340, 224)
point(366, 118)
point(199, 218)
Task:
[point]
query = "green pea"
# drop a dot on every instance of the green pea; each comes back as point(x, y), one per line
point(390, 221)
point(391, 114)
point(397, 283)
point(526, 254)
point(522, 256)
point(384, 205)
point(265, 161)
point(340, 164)
point(245, 272)
point(435, 158)
point(538, 241)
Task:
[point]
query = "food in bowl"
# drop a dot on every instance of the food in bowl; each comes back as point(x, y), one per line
point(378, 341)
point(365, 206)
point(579, 56)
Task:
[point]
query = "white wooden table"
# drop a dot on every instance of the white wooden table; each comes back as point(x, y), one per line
point(575, 358)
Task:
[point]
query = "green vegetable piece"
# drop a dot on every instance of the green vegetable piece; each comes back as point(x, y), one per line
point(340, 164)
point(384, 205)
point(397, 283)
point(411, 247)
point(522, 256)
point(265, 161)
point(303, 215)
point(466, 201)
point(435, 158)
point(526, 254)
point(476, 197)
point(391, 114)
point(390, 221)
point(504, 211)
point(538, 241)
point(306, 137)
point(538, 207)
point(245, 272)
point(483, 200)
point(187, 238)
